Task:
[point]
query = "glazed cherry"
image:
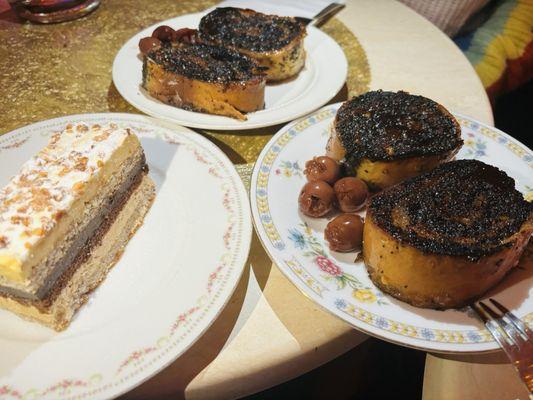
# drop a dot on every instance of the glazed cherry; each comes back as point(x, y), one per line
point(344, 233)
point(322, 168)
point(164, 33)
point(185, 35)
point(148, 44)
point(316, 198)
point(351, 193)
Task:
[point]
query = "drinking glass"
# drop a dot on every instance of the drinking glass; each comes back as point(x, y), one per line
point(51, 11)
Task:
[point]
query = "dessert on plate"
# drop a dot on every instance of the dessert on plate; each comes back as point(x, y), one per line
point(180, 71)
point(276, 43)
point(386, 137)
point(66, 218)
point(442, 239)
point(222, 67)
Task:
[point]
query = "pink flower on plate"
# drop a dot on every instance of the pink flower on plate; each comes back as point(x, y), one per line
point(328, 266)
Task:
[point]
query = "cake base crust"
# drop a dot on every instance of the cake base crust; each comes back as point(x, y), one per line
point(93, 270)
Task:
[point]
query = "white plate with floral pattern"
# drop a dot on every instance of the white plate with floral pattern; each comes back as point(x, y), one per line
point(322, 77)
point(341, 285)
point(174, 278)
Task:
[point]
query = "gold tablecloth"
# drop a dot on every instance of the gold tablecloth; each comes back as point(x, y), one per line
point(48, 71)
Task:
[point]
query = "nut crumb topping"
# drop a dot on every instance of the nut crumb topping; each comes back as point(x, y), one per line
point(33, 202)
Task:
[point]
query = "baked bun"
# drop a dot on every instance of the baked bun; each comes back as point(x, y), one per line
point(387, 137)
point(442, 239)
point(275, 43)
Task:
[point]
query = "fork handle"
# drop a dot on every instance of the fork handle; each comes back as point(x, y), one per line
point(327, 13)
point(525, 370)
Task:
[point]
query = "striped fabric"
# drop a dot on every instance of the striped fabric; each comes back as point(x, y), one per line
point(501, 50)
point(448, 15)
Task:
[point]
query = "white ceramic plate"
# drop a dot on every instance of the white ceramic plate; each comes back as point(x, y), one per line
point(341, 285)
point(322, 77)
point(176, 274)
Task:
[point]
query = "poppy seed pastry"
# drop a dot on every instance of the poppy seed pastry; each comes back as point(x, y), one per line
point(204, 78)
point(387, 137)
point(275, 43)
point(442, 239)
point(66, 218)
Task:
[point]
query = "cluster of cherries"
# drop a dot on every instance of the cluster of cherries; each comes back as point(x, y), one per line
point(165, 33)
point(326, 190)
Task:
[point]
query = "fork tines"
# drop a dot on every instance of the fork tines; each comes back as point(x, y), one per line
point(513, 336)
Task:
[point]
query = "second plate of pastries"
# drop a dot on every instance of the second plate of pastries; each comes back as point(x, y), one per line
point(394, 214)
point(230, 69)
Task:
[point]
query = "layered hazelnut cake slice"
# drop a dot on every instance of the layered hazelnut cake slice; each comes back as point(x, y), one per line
point(66, 218)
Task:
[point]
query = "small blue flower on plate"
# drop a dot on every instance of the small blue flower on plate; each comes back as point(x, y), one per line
point(473, 336)
point(340, 303)
point(297, 238)
point(427, 334)
point(502, 139)
point(381, 323)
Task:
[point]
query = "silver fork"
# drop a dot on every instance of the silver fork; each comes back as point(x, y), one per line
point(323, 16)
point(513, 336)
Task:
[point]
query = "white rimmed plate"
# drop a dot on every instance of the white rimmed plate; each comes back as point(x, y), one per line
point(342, 286)
point(175, 277)
point(322, 77)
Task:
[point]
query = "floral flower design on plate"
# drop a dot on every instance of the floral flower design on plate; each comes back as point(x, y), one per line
point(474, 147)
point(343, 287)
point(312, 248)
point(289, 169)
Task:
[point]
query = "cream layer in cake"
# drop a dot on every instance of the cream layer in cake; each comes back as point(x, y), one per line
point(57, 209)
point(58, 313)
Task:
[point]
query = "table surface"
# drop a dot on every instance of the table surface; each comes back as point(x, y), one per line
point(269, 332)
